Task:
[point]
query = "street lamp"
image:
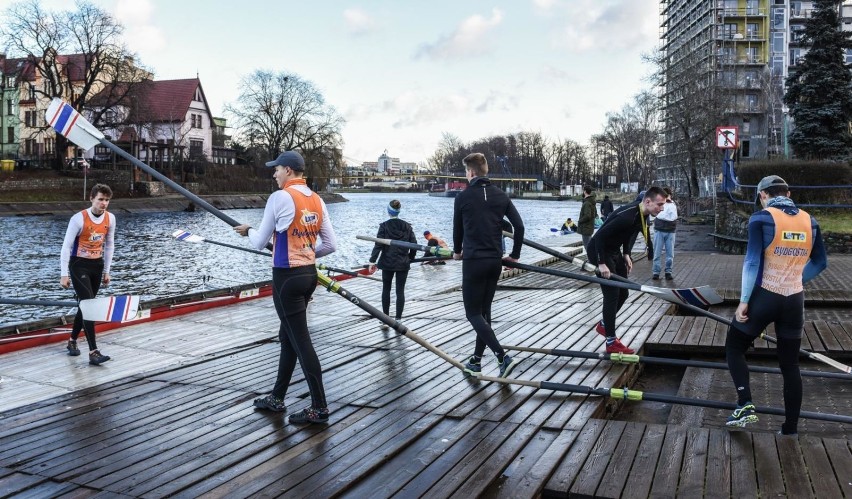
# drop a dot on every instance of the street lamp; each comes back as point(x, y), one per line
point(785, 111)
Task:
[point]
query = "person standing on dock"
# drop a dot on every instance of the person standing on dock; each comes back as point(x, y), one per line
point(784, 251)
point(477, 235)
point(665, 225)
point(294, 218)
point(606, 207)
point(588, 214)
point(85, 263)
point(394, 260)
point(610, 248)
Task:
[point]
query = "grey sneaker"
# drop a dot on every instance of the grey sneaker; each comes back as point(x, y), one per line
point(96, 358)
point(473, 367)
point(72, 348)
point(742, 416)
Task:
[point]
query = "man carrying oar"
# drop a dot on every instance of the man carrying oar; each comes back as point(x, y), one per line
point(85, 262)
point(477, 241)
point(610, 248)
point(784, 251)
point(294, 217)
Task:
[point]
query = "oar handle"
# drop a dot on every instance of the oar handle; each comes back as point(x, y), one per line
point(429, 250)
point(41, 303)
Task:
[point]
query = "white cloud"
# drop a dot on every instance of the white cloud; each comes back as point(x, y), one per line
point(467, 40)
point(553, 74)
point(544, 4)
point(140, 32)
point(609, 25)
point(358, 22)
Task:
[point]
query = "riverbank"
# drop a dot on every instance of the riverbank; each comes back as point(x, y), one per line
point(167, 203)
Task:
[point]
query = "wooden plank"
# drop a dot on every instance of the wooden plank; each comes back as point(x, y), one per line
point(743, 479)
point(793, 466)
point(841, 459)
point(828, 339)
point(640, 478)
point(671, 457)
point(822, 476)
point(770, 479)
point(618, 471)
point(527, 474)
point(595, 469)
point(694, 466)
point(696, 332)
point(841, 336)
point(19, 482)
point(718, 482)
point(568, 468)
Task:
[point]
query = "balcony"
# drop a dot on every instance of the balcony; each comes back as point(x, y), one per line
point(740, 12)
point(801, 14)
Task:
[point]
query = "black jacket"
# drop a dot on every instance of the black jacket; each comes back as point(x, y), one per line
point(477, 221)
point(606, 208)
point(393, 257)
point(618, 234)
point(588, 214)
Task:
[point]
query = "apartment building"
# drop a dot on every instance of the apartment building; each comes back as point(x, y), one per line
point(747, 48)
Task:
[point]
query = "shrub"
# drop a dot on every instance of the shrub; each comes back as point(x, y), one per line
point(799, 176)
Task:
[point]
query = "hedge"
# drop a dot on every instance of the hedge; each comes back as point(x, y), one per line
point(803, 173)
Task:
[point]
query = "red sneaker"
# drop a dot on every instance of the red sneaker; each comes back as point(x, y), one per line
point(599, 327)
point(618, 347)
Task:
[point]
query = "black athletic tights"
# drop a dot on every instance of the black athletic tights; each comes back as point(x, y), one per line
point(479, 283)
point(86, 275)
point(613, 298)
point(292, 289)
point(387, 278)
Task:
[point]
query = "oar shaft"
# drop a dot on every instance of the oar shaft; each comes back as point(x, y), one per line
point(429, 250)
point(40, 303)
point(558, 254)
point(232, 246)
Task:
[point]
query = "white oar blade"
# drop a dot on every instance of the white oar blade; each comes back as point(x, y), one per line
point(110, 309)
point(182, 235)
point(68, 122)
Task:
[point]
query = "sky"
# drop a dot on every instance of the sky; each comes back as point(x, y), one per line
point(403, 72)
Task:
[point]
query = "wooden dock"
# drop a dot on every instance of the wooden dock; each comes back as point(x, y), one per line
point(172, 414)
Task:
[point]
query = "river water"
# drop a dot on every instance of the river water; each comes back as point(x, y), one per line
point(150, 263)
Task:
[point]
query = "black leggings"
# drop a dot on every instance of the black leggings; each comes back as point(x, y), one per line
point(479, 283)
point(292, 289)
point(387, 278)
point(787, 313)
point(613, 298)
point(86, 275)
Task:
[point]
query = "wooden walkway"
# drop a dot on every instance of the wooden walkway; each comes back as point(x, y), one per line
point(172, 414)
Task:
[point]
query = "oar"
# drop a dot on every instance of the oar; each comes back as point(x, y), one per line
point(106, 309)
point(623, 358)
point(322, 266)
point(429, 250)
point(615, 393)
point(431, 259)
point(700, 296)
point(188, 237)
point(698, 310)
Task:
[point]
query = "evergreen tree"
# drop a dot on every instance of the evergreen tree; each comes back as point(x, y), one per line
point(819, 89)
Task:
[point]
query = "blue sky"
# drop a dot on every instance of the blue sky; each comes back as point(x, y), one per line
point(402, 72)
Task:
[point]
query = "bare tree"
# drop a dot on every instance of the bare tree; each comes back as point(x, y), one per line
point(281, 112)
point(76, 54)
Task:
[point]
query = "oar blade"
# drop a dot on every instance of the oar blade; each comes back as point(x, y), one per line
point(182, 235)
point(110, 309)
point(702, 296)
point(68, 122)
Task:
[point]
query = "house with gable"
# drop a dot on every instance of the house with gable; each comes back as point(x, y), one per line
point(162, 122)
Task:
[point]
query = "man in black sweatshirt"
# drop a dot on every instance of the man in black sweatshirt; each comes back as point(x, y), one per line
point(477, 240)
point(610, 249)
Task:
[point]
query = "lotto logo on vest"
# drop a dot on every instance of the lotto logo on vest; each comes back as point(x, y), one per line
point(794, 236)
point(309, 218)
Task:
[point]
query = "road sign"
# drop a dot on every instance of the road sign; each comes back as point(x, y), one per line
point(727, 137)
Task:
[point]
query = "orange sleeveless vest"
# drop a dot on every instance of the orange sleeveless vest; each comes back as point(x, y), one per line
point(785, 257)
point(90, 242)
point(294, 247)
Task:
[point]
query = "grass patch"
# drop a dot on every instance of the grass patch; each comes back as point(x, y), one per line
point(839, 221)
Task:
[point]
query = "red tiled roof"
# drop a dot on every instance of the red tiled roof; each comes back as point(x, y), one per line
point(163, 101)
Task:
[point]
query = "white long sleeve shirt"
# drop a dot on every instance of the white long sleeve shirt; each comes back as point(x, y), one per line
point(75, 226)
point(278, 215)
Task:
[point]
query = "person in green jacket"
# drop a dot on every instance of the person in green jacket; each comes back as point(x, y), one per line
point(588, 214)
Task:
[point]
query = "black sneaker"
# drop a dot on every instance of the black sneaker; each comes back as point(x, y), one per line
point(669, 276)
point(72, 348)
point(270, 403)
point(655, 277)
point(96, 358)
point(310, 415)
point(742, 416)
point(473, 367)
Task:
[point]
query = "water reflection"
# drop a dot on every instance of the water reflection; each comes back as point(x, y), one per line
point(150, 263)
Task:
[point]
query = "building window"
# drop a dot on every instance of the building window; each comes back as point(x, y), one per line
point(751, 54)
point(746, 126)
point(745, 149)
point(10, 110)
point(778, 42)
point(752, 30)
point(27, 118)
point(198, 94)
point(48, 146)
point(729, 30)
point(196, 148)
point(29, 146)
point(751, 7)
point(848, 56)
point(751, 102)
point(10, 132)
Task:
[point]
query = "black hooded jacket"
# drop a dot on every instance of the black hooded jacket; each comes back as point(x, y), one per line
point(477, 221)
point(393, 257)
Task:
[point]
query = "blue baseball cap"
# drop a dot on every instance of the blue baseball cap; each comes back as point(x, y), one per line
point(290, 159)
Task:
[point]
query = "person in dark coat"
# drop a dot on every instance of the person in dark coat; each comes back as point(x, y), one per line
point(606, 207)
point(588, 214)
point(477, 240)
point(393, 260)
